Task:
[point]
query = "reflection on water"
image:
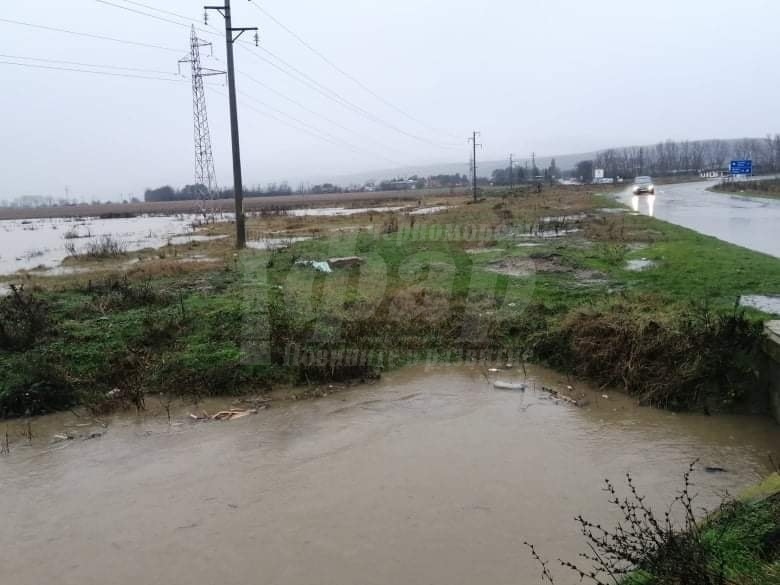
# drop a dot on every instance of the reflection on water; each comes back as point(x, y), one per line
point(649, 207)
point(430, 476)
point(745, 221)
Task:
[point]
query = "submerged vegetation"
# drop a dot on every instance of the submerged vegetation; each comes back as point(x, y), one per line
point(521, 276)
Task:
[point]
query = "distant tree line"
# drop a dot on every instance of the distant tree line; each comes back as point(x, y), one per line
point(520, 174)
point(684, 158)
point(193, 192)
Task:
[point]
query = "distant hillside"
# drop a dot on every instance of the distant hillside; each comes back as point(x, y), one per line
point(715, 152)
point(485, 169)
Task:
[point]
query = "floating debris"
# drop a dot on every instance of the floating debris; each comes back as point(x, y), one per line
point(225, 415)
point(319, 266)
point(510, 385)
point(346, 262)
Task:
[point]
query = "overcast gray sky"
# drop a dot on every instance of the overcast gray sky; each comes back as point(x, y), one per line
point(553, 77)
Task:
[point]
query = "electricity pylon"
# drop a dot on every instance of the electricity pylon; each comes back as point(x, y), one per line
point(205, 176)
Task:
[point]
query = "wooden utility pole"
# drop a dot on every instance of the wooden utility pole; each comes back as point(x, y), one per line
point(238, 186)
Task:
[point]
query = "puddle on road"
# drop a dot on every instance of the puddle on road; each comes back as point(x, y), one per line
point(766, 303)
point(429, 476)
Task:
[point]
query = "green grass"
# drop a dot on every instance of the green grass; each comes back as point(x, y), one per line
point(688, 265)
point(193, 334)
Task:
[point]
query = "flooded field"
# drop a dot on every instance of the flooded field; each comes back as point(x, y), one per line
point(430, 476)
point(41, 243)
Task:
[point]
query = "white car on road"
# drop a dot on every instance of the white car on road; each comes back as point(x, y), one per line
point(644, 185)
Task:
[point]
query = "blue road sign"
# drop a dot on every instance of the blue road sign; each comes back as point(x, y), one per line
point(742, 167)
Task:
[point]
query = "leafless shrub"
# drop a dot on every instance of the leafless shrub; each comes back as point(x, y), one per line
point(390, 226)
point(645, 546)
point(105, 247)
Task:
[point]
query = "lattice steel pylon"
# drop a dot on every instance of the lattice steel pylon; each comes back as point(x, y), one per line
point(205, 176)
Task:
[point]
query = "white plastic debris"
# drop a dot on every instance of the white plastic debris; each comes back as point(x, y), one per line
point(509, 385)
point(317, 265)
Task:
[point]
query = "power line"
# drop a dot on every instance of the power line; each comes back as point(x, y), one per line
point(301, 77)
point(90, 35)
point(314, 134)
point(358, 109)
point(352, 78)
point(160, 18)
point(81, 64)
point(161, 11)
point(313, 112)
point(313, 129)
point(78, 70)
point(134, 11)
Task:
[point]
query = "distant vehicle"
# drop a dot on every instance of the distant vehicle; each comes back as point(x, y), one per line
point(644, 185)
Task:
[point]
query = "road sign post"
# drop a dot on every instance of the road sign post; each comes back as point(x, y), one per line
point(741, 167)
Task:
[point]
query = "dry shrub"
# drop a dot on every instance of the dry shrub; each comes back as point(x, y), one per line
point(651, 547)
point(105, 247)
point(115, 294)
point(24, 318)
point(697, 359)
point(390, 226)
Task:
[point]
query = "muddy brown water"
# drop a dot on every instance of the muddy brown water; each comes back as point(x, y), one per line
point(430, 476)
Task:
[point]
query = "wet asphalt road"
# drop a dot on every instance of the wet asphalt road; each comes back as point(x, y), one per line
point(746, 221)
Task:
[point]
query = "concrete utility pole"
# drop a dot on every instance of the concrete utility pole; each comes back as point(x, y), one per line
point(511, 172)
point(238, 185)
point(474, 144)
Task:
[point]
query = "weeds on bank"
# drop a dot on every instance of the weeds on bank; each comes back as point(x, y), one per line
point(23, 320)
point(690, 360)
point(738, 544)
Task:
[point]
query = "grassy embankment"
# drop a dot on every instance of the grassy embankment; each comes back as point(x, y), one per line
point(737, 544)
point(462, 283)
point(769, 188)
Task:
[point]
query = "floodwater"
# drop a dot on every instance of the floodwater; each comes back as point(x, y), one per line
point(40, 243)
point(767, 303)
point(339, 211)
point(275, 243)
point(431, 476)
point(745, 221)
